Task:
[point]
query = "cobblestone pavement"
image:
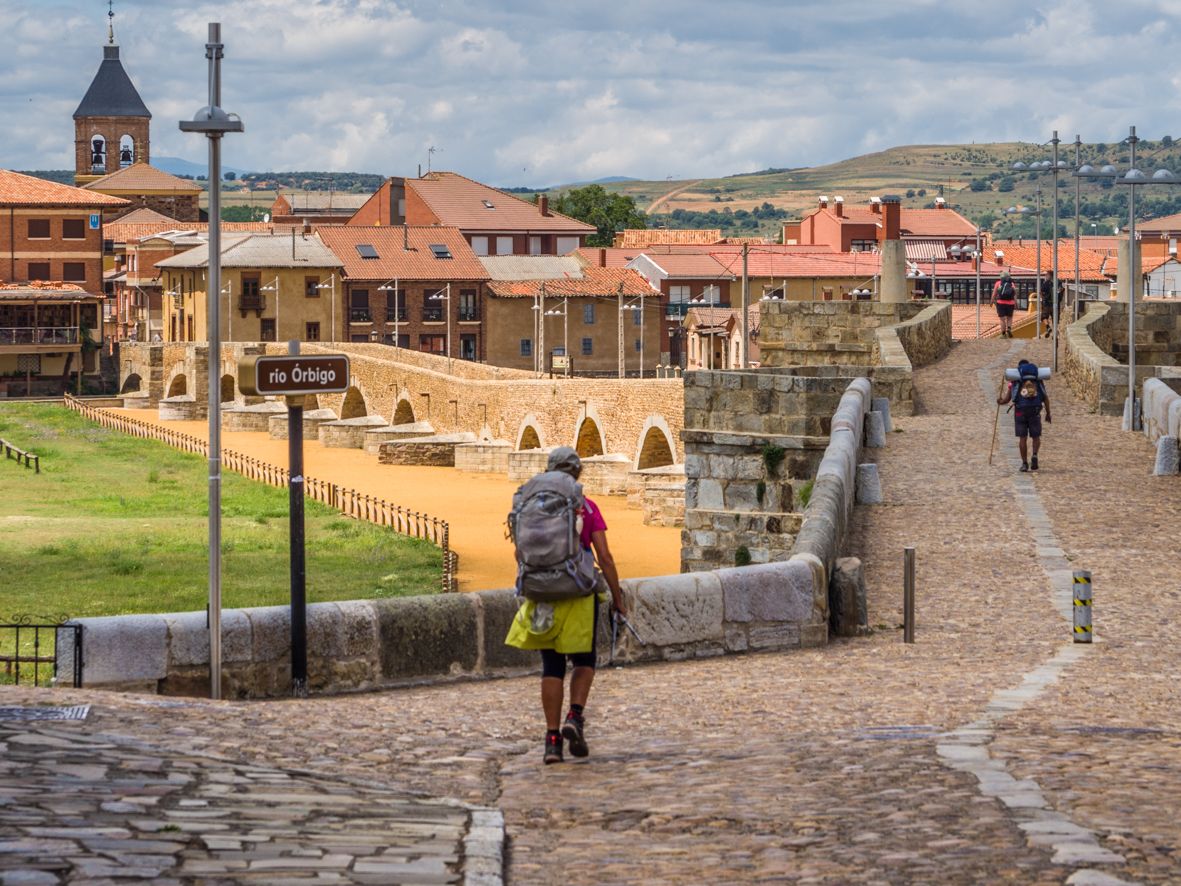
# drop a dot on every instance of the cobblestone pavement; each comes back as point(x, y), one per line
point(991, 750)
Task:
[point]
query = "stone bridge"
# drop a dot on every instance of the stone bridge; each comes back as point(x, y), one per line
point(636, 420)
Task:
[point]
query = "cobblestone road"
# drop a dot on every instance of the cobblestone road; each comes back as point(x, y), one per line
point(991, 750)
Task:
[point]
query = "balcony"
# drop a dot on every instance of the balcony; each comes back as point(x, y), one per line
point(398, 316)
point(468, 316)
point(676, 310)
point(432, 314)
point(360, 315)
point(251, 301)
point(39, 338)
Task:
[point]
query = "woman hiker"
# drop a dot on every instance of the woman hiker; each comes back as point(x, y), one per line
point(568, 630)
point(1004, 296)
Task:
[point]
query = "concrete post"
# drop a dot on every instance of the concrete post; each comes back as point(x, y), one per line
point(894, 288)
point(1167, 457)
point(875, 430)
point(1082, 606)
point(882, 405)
point(869, 485)
point(1127, 275)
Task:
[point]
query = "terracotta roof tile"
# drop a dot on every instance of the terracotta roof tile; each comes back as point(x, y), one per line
point(638, 238)
point(804, 264)
point(121, 232)
point(139, 178)
point(691, 265)
point(1025, 253)
point(27, 190)
point(595, 282)
point(963, 321)
point(459, 202)
point(394, 261)
point(142, 215)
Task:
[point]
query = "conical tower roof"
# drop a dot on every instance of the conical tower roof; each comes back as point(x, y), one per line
point(111, 93)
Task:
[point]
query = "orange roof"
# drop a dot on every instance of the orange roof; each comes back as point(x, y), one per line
point(1108, 244)
point(394, 261)
point(141, 215)
point(139, 178)
point(633, 238)
point(27, 190)
point(127, 232)
point(1091, 264)
point(963, 321)
point(1164, 224)
point(944, 222)
point(616, 257)
point(49, 285)
point(459, 202)
point(690, 265)
point(804, 264)
point(1148, 264)
point(595, 281)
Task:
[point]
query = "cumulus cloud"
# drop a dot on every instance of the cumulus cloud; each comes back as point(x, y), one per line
point(533, 92)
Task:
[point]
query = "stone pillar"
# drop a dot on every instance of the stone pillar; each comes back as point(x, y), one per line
point(893, 280)
point(1127, 275)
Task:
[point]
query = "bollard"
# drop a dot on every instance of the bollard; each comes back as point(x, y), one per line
point(1082, 606)
point(908, 595)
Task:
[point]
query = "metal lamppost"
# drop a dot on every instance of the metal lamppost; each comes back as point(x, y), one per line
point(444, 295)
point(564, 313)
point(638, 307)
point(273, 286)
point(1106, 172)
point(385, 287)
point(213, 123)
point(331, 286)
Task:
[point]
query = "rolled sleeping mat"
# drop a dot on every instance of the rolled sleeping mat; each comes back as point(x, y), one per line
point(1043, 373)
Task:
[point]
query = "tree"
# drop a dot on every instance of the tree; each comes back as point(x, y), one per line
point(1005, 184)
point(607, 212)
point(979, 184)
point(230, 176)
point(1166, 141)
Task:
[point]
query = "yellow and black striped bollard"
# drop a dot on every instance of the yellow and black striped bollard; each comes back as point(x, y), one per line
point(1082, 606)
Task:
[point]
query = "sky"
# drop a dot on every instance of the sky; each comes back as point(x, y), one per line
point(537, 92)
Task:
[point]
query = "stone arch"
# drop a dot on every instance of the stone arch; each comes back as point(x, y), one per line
point(310, 402)
point(353, 404)
point(528, 437)
point(131, 383)
point(588, 441)
point(179, 386)
point(656, 449)
point(98, 152)
point(228, 386)
point(403, 413)
point(126, 150)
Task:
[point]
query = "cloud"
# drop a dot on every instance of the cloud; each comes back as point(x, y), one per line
point(532, 92)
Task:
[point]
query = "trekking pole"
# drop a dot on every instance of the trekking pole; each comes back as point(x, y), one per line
point(616, 620)
point(996, 421)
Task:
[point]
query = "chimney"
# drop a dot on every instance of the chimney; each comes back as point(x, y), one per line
point(891, 228)
point(940, 203)
point(307, 227)
point(1000, 259)
point(839, 206)
point(543, 204)
point(602, 257)
point(875, 205)
point(823, 202)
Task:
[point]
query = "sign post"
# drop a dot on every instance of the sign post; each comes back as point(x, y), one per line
point(293, 377)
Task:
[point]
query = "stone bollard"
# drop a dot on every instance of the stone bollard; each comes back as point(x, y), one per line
point(869, 485)
point(875, 430)
point(848, 615)
point(1168, 460)
point(882, 405)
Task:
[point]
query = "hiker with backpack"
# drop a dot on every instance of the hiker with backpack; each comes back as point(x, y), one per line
point(564, 569)
point(1028, 395)
point(1004, 297)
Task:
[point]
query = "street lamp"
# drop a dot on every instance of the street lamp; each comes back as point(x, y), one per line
point(331, 286)
point(444, 295)
point(1037, 214)
point(638, 307)
point(228, 292)
point(563, 312)
point(273, 286)
point(385, 287)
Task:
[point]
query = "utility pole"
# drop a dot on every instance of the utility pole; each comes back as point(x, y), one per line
point(745, 344)
point(1054, 251)
point(1078, 145)
point(620, 294)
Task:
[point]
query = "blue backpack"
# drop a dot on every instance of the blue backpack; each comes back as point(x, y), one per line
point(1029, 393)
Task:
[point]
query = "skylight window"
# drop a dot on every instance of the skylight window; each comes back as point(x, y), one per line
point(440, 250)
point(488, 204)
point(365, 250)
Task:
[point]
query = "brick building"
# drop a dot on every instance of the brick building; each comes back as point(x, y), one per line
point(413, 287)
point(841, 228)
point(320, 209)
point(111, 123)
point(144, 186)
point(493, 222)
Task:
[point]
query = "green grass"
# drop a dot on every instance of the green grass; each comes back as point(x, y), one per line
point(117, 525)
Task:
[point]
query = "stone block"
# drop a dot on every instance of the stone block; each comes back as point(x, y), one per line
point(847, 608)
point(772, 592)
point(498, 610)
point(358, 628)
point(882, 405)
point(774, 636)
point(671, 610)
point(869, 485)
point(123, 649)
point(422, 636)
point(270, 633)
point(1166, 457)
point(188, 638)
point(708, 495)
point(875, 430)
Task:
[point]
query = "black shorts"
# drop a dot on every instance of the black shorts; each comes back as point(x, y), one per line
point(553, 664)
point(1028, 425)
point(1004, 310)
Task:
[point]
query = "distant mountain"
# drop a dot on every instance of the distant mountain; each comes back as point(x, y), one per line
point(180, 166)
point(612, 179)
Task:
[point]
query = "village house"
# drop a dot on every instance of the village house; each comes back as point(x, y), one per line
point(316, 208)
point(926, 233)
point(146, 187)
point(275, 287)
point(412, 287)
point(493, 222)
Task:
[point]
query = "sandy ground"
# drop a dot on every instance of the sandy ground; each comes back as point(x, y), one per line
point(475, 505)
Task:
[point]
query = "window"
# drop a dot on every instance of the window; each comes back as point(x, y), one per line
point(588, 315)
point(588, 347)
point(359, 337)
point(432, 344)
point(38, 270)
point(38, 229)
point(311, 287)
point(402, 342)
point(863, 245)
point(535, 246)
point(504, 245)
point(467, 347)
point(266, 329)
point(251, 298)
point(639, 346)
point(311, 332)
point(480, 245)
point(439, 250)
point(566, 245)
point(488, 204)
point(711, 293)
point(638, 316)
point(469, 308)
point(526, 347)
point(432, 310)
point(359, 306)
point(74, 272)
point(73, 229)
point(366, 250)
point(678, 295)
point(395, 308)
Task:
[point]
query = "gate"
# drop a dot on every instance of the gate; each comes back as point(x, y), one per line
point(32, 641)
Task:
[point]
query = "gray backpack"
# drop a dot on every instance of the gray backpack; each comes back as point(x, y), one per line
point(543, 524)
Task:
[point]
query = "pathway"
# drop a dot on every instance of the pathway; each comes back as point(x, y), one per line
point(991, 750)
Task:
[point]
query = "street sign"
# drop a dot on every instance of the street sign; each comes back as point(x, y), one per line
point(294, 375)
point(95, 221)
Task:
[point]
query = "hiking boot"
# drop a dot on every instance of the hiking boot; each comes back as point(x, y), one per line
point(553, 749)
point(1024, 467)
point(1033, 463)
point(572, 732)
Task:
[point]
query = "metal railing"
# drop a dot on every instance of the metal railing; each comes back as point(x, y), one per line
point(349, 502)
point(360, 315)
point(250, 302)
point(39, 335)
point(45, 631)
point(432, 314)
point(391, 315)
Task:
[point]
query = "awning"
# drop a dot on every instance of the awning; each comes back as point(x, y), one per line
point(926, 250)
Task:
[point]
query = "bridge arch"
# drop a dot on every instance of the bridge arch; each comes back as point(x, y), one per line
point(228, 387)
point(178, 386)
point(656, 448)
point(353, 404)
point(588, 441)
point(528, 435)
point(403, 413)
point(132, 383)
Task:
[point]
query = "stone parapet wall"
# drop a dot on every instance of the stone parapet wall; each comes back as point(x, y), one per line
point(437, 451)
point(489, 457)
point(348, 433)
point(374, 437)
point(1096, 377)
point(638, 481)
point(252, 418)
point(311, 421)
point(372, 644)
point(827, 333)
point(605, 474)
point(1161, 408)
point(663, 504)
point(182, 408)
point(524, 463)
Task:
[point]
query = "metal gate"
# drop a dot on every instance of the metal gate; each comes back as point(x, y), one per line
point(28, 642)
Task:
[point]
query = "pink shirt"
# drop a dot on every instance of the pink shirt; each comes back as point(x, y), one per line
point(592, 521)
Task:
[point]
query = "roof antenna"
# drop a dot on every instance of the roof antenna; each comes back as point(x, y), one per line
point(111, 22)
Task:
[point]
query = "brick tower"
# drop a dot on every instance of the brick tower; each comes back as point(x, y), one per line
point(111, 125)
